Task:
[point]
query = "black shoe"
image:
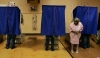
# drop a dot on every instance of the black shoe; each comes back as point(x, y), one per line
point(84, 47)
point(52, 49)
point(46, 49)
point(7, 47)
point(88, 47)
point(13, 47)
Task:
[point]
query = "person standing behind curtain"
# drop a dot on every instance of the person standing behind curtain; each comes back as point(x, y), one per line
point(10, 39)
point(85, 40)
point(49, 38)
point(75, 32)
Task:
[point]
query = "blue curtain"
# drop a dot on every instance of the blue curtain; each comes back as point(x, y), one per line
point(53, 20)
point(3, 24)
point(10, 20)
point(88, 17)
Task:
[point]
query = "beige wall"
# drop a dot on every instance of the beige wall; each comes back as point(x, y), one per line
point(27, 14)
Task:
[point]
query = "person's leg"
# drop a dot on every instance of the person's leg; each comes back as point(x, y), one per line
point(8, 40)
point(84, 41)
point(72, 48)
point(13, 37)
point(77, 48)
point(88, 41)
point(80, 41)
point(47, 42)
point(52, 43)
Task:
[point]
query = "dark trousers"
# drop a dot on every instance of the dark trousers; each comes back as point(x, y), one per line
point(10, 38)
point(48, 38)
point(85, 39)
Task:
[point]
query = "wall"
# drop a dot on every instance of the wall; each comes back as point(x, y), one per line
point(27, 14)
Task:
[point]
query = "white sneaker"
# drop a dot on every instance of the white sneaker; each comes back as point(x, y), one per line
point(72, 51)
point(76, 51)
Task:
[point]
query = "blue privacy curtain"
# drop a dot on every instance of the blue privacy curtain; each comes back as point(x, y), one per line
point(53, 20)
point(10, 20)
point(88, 17)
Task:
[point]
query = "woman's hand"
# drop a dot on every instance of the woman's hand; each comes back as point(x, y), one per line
point(74, 31)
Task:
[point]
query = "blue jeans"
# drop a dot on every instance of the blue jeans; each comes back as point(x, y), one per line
point(85, 39)
point(10, 38)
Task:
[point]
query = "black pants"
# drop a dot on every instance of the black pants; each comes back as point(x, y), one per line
point(48, 38)
point(85, 39)
point(10, 38)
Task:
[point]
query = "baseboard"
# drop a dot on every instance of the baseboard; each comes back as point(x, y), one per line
point(32, 33)
point(38, 34)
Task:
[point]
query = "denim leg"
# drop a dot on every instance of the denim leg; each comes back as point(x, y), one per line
point(47, 41)
point(84, 41)
point(8, 40)
point(52, 42)
point(13, 40)
point(88, 41)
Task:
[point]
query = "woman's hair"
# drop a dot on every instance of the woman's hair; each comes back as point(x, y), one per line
point(76, 20)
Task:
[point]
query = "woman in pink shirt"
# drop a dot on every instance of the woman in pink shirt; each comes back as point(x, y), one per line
point(75, 32)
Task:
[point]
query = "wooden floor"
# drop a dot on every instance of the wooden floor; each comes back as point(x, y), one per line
point(92, 52)
point(32, 47)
